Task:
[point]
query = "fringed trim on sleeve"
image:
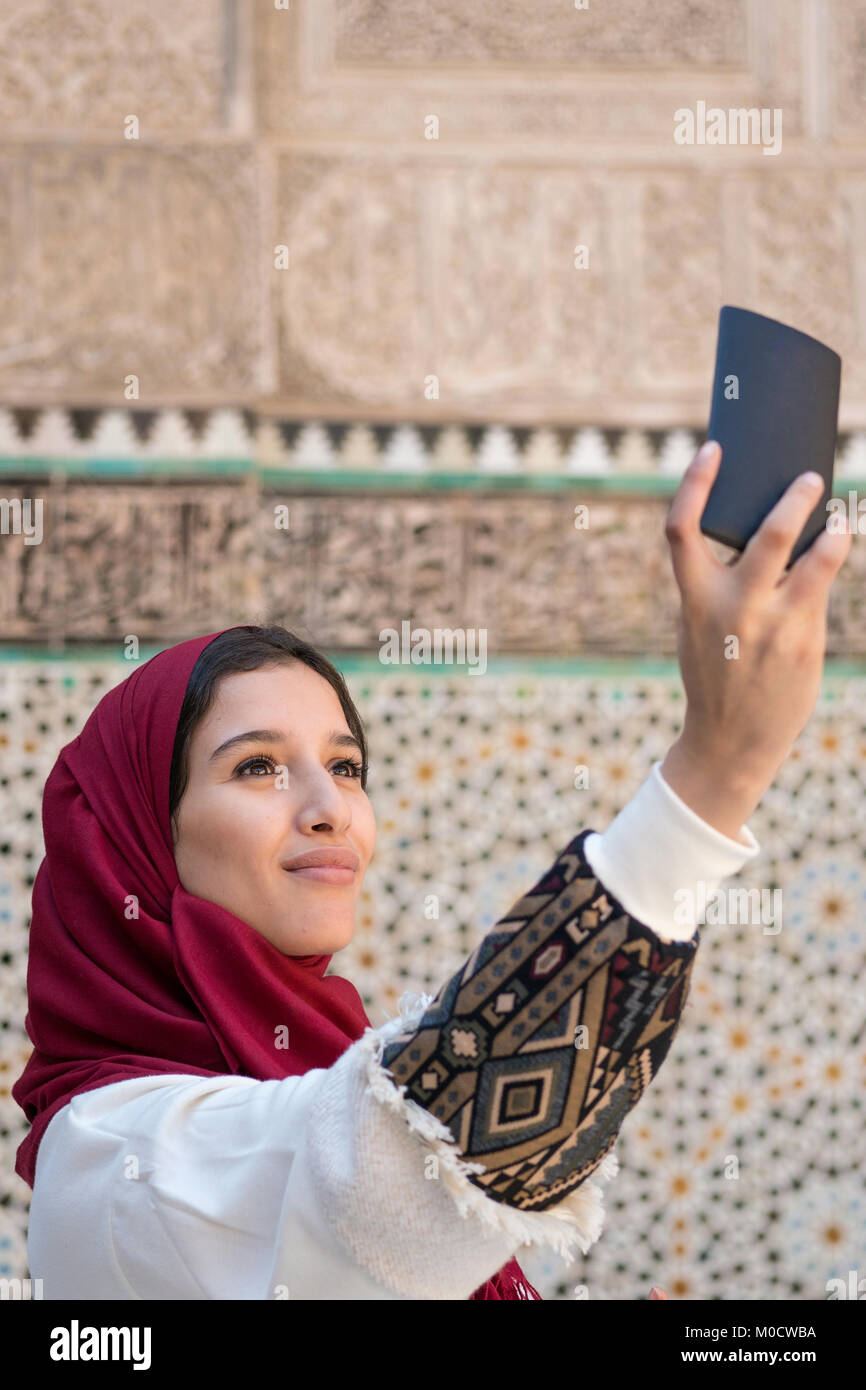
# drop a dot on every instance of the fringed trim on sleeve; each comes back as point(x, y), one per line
point(577, 1221)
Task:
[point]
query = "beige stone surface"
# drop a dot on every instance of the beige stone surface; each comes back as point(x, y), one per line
point(81, 68)
point(431, 279)
point(128, 261)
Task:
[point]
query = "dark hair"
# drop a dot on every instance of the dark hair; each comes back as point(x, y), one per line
point(248, 648)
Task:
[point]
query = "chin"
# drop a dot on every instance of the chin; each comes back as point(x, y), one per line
point(315, 943)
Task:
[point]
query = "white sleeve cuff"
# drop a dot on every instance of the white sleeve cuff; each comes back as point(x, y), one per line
point(392, 1186)
point(662, 861)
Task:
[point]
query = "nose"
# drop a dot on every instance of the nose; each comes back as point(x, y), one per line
point(320, 804)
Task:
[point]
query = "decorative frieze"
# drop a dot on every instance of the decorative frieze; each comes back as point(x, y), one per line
point(568, 572)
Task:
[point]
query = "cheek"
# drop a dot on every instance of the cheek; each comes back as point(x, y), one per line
point(366, 831)
point(231, 831)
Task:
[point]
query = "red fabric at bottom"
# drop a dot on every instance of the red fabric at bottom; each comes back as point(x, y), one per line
point(508, 1282)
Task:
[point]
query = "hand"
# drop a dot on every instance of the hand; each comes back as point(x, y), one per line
point(745, 710)
point(656, 1292)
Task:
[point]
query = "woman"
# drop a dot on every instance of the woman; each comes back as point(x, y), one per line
point(213, 1117)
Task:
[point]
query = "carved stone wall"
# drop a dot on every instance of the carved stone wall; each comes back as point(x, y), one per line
point(340, 534)
point(340, 207)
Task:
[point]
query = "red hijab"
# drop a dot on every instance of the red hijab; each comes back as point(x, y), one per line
point(130, 975)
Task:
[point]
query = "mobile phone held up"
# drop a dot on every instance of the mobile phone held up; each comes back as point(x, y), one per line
point(775, 414)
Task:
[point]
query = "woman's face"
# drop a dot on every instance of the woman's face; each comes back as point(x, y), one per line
point(251, 807)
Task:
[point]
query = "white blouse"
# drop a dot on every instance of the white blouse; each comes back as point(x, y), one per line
point(329, 1185)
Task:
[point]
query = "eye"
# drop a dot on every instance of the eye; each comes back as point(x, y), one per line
point(352, 763)
point(263, 759)
point(257, 760)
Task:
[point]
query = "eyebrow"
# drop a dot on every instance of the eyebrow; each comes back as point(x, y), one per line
point(342, 740)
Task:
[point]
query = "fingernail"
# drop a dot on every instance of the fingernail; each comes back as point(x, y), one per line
point(813, 479)
point(707, 450)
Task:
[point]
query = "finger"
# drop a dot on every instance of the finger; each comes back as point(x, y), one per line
point(811, 576)
point(656, 1292)
point(768, 551)
point(690, 554)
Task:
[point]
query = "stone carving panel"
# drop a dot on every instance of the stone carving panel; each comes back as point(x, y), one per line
point(682, 267)
point(87, 65)
point(351, 306)
point(804, 245)
point(503, 70)
point(847, 67)
point(548, 31)
point(32, 564)
point(164, 561)
point(401, 273)
point(129, 261)
point(398, 273)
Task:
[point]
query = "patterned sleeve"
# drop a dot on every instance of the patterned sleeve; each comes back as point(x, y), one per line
point(538, 1046)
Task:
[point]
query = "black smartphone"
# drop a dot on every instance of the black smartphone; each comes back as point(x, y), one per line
point(775, 410)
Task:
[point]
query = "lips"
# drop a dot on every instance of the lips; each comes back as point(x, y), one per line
point(325, 865)
point(325, 873)
point(326, 857)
